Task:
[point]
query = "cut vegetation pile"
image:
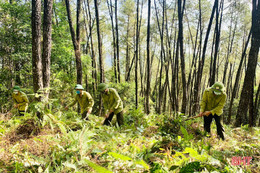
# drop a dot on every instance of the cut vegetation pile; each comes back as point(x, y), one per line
point(25, 130)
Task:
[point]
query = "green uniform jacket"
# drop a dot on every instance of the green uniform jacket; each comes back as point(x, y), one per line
point(213, 103)
point(22, 100)
point(112, 101)
point(86, 101)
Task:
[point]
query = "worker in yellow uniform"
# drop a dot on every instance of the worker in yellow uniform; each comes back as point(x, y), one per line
point(112, 103)
point(20, 100)
point(85, 101)
point(211, 106)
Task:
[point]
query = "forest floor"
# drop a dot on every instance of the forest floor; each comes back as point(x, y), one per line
point(154, 143)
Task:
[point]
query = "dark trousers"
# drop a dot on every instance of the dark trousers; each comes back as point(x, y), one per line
point(84, 115)
point(207, 123)
point(119, 117)
point(21, 113)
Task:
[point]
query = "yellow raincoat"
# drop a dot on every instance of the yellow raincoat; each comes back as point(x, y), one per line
point(112, 101)
point(85, 101)
point(213, 103)
point(22, 100)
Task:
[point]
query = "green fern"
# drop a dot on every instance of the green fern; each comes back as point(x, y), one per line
point(96, 167)
point(119, 156)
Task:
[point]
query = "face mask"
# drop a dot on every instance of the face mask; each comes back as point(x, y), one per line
point(78, 92)
point(217, 93)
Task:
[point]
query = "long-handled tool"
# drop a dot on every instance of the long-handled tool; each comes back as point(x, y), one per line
point(194, 117)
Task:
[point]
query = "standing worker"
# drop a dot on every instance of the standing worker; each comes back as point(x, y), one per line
point(112, 103)
point(20, 100)
point(211, 106)
point(85, 101)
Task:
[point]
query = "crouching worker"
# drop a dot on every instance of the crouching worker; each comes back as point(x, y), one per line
point(20, 100)
point(85, 101)
point(211, 106)
point(112, 103)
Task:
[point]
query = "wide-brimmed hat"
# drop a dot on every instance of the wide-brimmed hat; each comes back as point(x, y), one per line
point(102, 87)
point(16, 88)
point(218, 88)
point(79, 87)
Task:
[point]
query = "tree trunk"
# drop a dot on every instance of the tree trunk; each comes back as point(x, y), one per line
point(174, 105)
point(136, 55)
point(180, 40)
point(217, 32)
point(229, 83)
point(176, 76)
point(169, 51)
point(75, 38)
point(86, 47)
point(238, 76)
point(256, 106)
point(36, 45)
point(230, 46)
point(110, 9)
point(162, 54)
point(86, 82)
point(201, 63)
point(141, 65)
point(117, 42)
point(141, 61)
point(174, 64)
point(46, 54)
point(211, 58)
point(17, 68)
point(154, 93)
point(93, 62)
point(129, 72)
point(147, 106)
point(101, 64)
point(127, 51)
point(246, 98)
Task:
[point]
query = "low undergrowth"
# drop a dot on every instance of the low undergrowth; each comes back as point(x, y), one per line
point(62, 142)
